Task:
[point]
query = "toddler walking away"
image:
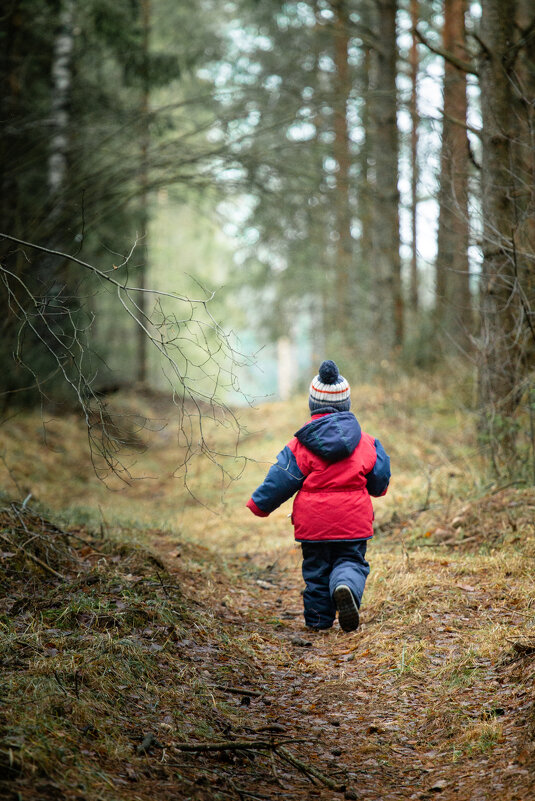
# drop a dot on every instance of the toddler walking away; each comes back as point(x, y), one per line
point(334, 467)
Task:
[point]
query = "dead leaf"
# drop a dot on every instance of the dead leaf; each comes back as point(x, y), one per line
point(265, 585)
point(438, 786)
point(301, 642)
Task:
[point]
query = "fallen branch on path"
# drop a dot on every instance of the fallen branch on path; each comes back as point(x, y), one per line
point(309, 770)
point(239, 690)
point(237, 745)
point(276, 749)
point(271, 727)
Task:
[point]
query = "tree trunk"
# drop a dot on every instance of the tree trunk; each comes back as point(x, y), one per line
point(453, 304)
point(505, 325)
point(415, 120)
point(525, 92)
point(59, 113)
point(388, 301)
point(11, 65)
point(342, 155)
point(364, 206)
point(53, 273)
point(144, 196)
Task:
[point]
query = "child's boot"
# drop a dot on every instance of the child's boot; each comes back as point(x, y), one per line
point(348, 611)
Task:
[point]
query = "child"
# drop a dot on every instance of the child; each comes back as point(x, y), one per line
point(334, 467)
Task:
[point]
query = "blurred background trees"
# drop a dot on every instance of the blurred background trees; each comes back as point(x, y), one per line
point(354, 177)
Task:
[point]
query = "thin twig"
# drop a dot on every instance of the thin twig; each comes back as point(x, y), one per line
point(164, 588)
point(310, 770)
point(238, 690)
point(237, 745)
point(101, 274)
point(34, 558)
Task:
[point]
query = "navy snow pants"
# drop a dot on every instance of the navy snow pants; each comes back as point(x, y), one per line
point(325, 566)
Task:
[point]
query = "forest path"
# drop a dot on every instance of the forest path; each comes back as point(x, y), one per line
point(414, 705)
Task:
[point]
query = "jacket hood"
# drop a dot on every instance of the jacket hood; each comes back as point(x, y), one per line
point(332, 437)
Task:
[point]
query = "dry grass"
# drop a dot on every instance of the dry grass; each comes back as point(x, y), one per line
point(93, 662)
point(437, 677)
point(427, 433)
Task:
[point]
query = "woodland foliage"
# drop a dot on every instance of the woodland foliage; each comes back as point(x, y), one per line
point(307, 126)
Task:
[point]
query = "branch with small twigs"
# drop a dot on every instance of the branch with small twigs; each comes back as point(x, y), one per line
point(54, 322)
point(275, 747)
point(33, 557)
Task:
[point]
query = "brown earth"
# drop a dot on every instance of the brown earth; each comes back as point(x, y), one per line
point(409, 708)
point(432, 697)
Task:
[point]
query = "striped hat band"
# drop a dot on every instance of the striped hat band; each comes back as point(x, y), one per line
point(329, 393)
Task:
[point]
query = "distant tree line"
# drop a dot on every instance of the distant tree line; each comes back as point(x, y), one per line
point(312, 112)
point(325, 87)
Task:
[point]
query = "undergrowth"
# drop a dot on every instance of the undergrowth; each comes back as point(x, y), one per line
point(99, 647)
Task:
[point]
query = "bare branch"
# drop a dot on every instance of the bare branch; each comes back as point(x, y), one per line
point(101, 273)
point(192, 347)
point(464, 66)
point(476, 131)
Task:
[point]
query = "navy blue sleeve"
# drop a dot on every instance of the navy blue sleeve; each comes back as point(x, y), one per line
point(283, 480)
point(377, 480)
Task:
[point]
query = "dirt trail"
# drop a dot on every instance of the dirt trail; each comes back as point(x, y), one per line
point(408, 707)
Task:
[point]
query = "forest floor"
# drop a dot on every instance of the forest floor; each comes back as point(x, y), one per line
point(140, 623)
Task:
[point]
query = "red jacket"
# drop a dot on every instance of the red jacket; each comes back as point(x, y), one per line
point(334, 467)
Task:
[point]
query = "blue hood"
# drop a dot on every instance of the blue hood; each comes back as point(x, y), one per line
point(333, 437)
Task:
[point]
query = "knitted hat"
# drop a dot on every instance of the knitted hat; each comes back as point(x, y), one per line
point(329, 388)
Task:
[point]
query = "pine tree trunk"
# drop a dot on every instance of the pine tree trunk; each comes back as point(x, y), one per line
point(322, 307)
point(415, 120)
point(453, 303)
point(342, 155)
point(525, 90)
point(53, 273)
point(144, 197)
point(364, 211)
point(365, 191)
point(11, 63)
point(505, 334)
point(388, 301)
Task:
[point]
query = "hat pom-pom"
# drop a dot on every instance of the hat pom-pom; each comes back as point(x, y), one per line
point(328, 372)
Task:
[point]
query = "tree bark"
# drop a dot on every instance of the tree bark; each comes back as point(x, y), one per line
point(144, 195)
point(506, 328)
point(364, 211)
point(525, 91)
point(388, 300)
point(53, 273)
point(415, 120)
point(342, 155)
point(453, 302)
point(59, 113)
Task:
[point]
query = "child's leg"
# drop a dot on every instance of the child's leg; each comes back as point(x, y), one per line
point(320, 610)
point(349, 567)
